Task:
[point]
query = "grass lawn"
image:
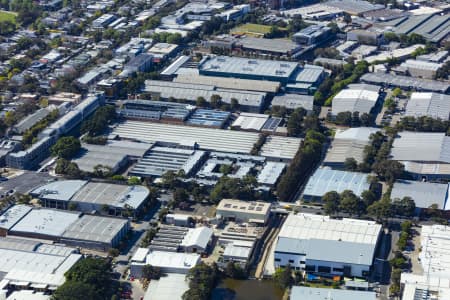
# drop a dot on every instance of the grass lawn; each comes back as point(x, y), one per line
point(252, 28)
point(7, 16)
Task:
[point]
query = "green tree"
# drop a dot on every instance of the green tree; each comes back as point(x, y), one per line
point(201, 102)
point(215, 101)
point(234, 104)
point(234, 270)
point(283, 277)
point(351, 204)
point(294, 124)
point(99, 121)
point(389, 170)
point(350, 164)
point(226, 169)
point(66, 147)
point(344, 118)
point(396, 92)
point(180, 195)
point(202, 280)
point(72, 290)
point(133, 180)
point(150, 272)
point(381, 210)
point(404, 207)
point(331, 202)
point(368, 197)
point(89, 278)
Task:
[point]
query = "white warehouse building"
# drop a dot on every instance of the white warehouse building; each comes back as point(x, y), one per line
point(305, 240)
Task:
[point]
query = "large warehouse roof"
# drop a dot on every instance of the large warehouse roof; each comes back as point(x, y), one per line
point(281, 46)
point(421, 147)
point(429, 104)
point(308, 293)
point(190, 92)
point(95, 228)
point(326, 180)
point(206, 138)
point(162, 159)
point(349, 143)
point(258, 68)
point(309, 226)
point(116, 195)
point(356, 98)
point(433, 27)
point(354, 7)
point(230, 83)
point(424, 194)
point(45, 222)
point(405, 82)
point(34, 261)
point(355, 240)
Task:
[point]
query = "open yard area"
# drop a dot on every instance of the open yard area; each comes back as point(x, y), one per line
point(252, 29)
point(7, 16)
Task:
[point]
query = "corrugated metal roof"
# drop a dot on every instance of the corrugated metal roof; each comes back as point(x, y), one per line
point(424, 194)
point(429, 104)
point(356, 98)
point(421, 147)
point(326, 180)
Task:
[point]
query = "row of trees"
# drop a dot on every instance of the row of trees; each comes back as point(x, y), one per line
point(29, 137)
point(347, 118)
point(299, 123)
point(348, 202)
point(330, 87)
point(423, 124)
point(376, 159)
point(399, 262)
point(99, 121)
point(304, 161)
point(351, 204)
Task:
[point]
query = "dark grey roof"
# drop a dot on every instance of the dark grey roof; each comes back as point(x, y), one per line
point(405, 82)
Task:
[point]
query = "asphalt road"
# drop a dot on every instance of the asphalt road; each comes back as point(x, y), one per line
point(25, 182)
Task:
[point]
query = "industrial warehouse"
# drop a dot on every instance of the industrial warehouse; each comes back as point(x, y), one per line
point(106, 198)
point(348, 143)
point(70, 228)
point(326, 180)
point(425, 154)
point(305, 240)
point(275, 147)
point(34, 266)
